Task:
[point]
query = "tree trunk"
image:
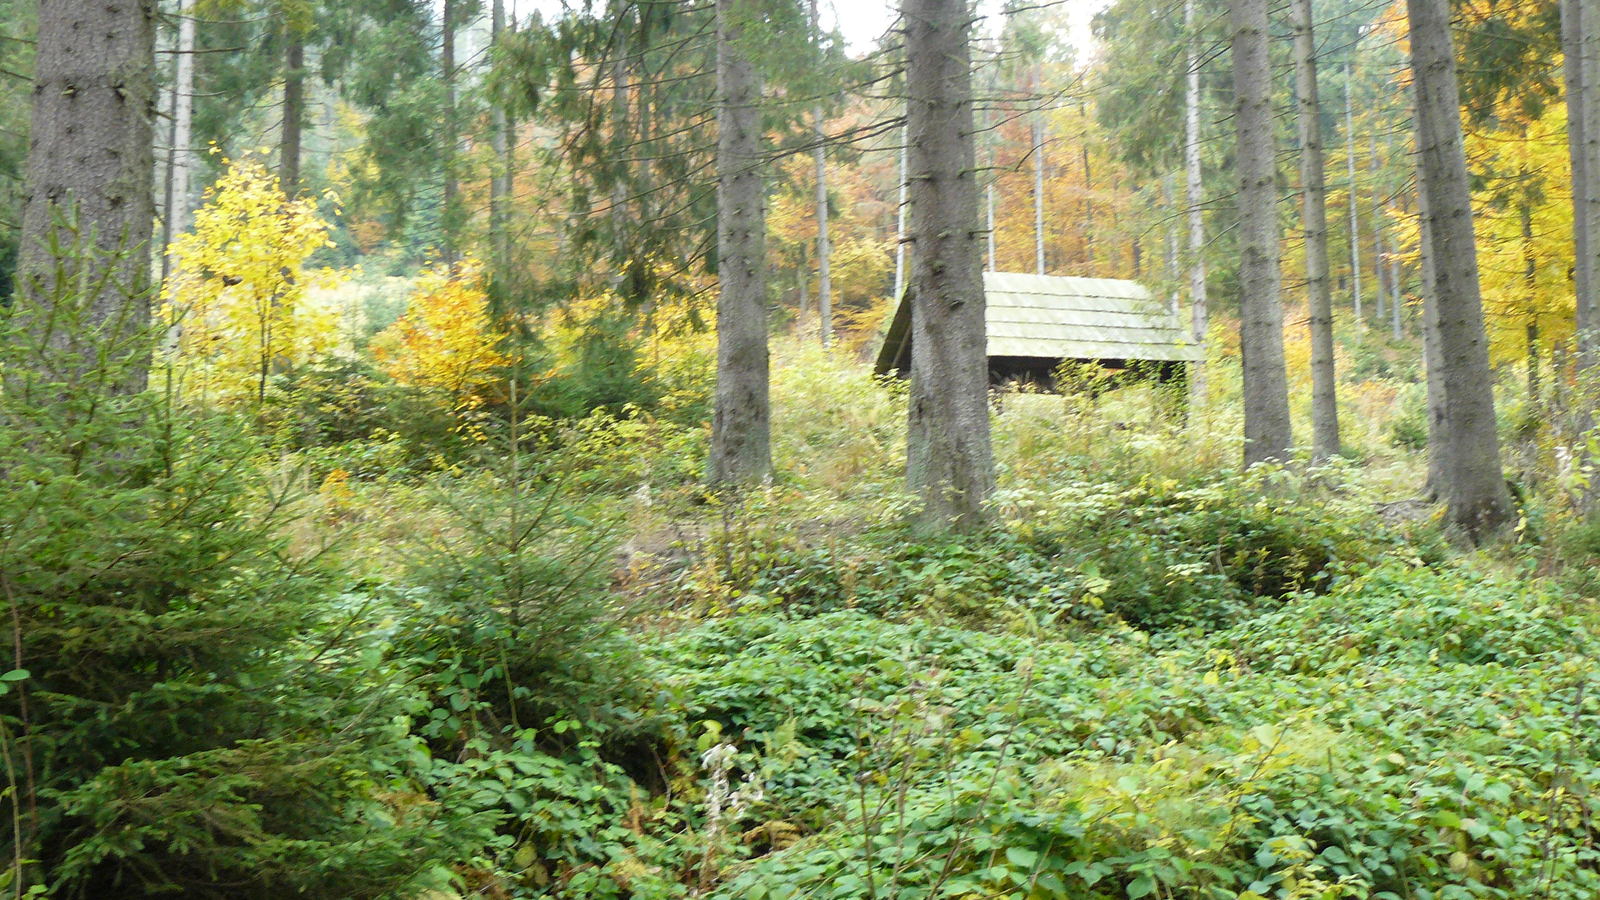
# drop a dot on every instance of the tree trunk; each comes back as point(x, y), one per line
point(1530, 284)
point(948, 455)
point(1394, 300)
point(1036, 128)
point(1588, 305)
point(1474, 488)
point(1169, 195)
point(824, 276)
point(1439, 444)
point(294, 109)
point(1374, 168)
point(181, 155)
point(500, 139)
point(1195, 198)
point(901, 208)
point(1572, 68)
point(448, 219)
point(824, 249)
point(1350, 167)
point(1088, 198)
point(89, 187)
point(1314, 214)
point(1266, 388)
point(988, 198)
point(741, 451)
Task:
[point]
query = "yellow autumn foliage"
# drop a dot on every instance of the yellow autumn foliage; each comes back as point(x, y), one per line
point(446, 340)
point(1524, 228)
point(238, 294)
point(1522, 216)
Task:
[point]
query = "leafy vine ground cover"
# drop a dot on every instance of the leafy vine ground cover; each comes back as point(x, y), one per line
point(1142, 683)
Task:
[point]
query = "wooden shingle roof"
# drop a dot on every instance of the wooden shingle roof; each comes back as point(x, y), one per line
point(1061, 317)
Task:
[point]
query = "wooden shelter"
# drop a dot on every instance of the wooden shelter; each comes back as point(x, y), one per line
point(1037, 322)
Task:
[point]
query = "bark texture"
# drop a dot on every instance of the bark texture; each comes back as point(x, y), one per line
point(1572, 72)
point(741, 422)
point(949, 460)
point(89, 186)
point(1438, 423)
point(1586, 171)
point(1267, 432)
point(902, 207)
point(294, 110)
point(1473, 486)
point(181, 210)
point(1314, 218)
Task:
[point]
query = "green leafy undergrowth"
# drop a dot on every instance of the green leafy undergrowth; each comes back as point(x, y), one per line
point(1156, 555)
point(1409, 733)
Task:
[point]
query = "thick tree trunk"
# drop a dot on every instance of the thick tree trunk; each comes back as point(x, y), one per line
point(294, 110)
point(500, 140)
point(948, 455)
point(1314, 215)
point(1266, 388)
point(448, 220)
point(741, 451)
point(1194, 186)
point(1474, 488)
point(89, 187)
point(1439, 444)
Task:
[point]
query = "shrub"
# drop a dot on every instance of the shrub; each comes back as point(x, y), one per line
point(529, 698)
point(1580, 553)
point(1409, 428)
point(1155, 555)
point(186, 718)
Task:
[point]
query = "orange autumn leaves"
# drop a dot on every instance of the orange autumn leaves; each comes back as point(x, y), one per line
point(445, 341)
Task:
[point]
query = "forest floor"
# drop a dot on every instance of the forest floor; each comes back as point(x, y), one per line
point(1154, 676)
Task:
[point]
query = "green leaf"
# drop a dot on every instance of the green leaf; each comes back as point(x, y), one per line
point(1022, 857)
point(1143, 886)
